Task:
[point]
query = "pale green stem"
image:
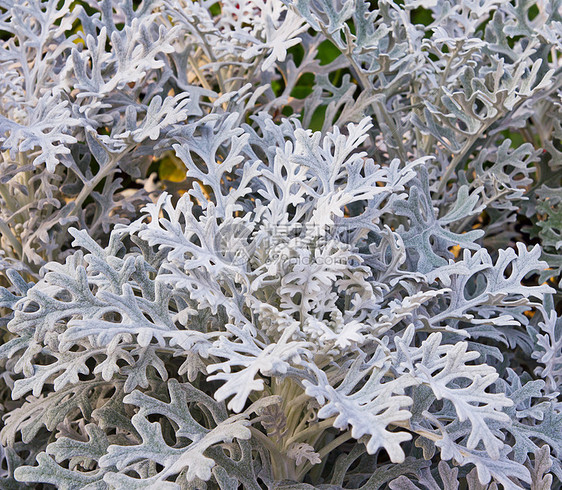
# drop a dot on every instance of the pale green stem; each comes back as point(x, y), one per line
point(338, 441)
point(200, 75)
point(283, 468)
point(212, 59)
point(458, 158)
point(7, 198)
point(5, 230)
point(104, 172)
point(380, 111)
point(310, 431)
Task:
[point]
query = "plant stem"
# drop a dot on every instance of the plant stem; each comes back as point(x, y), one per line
point(458, 158)
point(5, 230)
point(378, 107)
point(283, 467)
point(338, 441)
point(310, 431)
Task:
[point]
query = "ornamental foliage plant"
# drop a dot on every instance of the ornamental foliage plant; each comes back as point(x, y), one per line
point(282, 244)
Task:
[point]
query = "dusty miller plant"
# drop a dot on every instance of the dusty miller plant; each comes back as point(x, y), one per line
point(352, 279)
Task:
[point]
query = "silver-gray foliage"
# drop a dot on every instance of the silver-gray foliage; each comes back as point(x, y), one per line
point(349, 279)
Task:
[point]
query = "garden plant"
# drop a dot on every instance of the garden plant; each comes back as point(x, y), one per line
point(281, 244)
